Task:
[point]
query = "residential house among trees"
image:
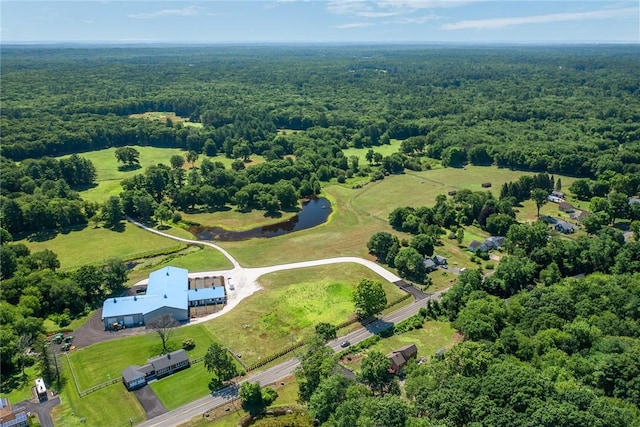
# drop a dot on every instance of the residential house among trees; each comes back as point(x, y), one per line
point(137, 376)
point(429, 264)
point(564, 227)
point(401, 356)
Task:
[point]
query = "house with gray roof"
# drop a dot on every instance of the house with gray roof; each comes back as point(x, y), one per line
point(429, 265)
point(157, 367)
point(564, 227)
point(494, 242)
point(476, 245)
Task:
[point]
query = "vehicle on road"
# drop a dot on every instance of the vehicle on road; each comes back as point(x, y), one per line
point(345, 344)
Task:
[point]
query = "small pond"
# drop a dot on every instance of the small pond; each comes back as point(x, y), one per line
point(314, 212)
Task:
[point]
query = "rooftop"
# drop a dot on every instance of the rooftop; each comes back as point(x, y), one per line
point(167, 288)
point(206, 293)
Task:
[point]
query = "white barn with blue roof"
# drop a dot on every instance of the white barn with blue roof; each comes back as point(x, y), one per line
point(167, 294)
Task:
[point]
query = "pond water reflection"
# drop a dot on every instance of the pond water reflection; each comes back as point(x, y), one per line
point(314, 212)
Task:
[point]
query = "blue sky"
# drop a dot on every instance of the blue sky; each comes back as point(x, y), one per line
point(268, 21)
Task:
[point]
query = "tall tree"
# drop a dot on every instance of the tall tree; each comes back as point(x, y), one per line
point(374, 372)
point(369, 298)
point(164, 326)
point(219, 362)
point(128, 155)
point(539, 196)
point(316, 363)
point(112, 212)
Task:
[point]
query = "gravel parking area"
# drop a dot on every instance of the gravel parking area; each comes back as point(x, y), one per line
point(93, 332)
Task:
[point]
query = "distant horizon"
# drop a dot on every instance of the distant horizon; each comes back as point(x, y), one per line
point(320, 21)
point(318, 43)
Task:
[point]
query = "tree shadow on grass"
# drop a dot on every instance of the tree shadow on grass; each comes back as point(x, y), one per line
point(43, 236)
point(85, 187)
point(120, 227)
point(275, 214)
point(129, 167)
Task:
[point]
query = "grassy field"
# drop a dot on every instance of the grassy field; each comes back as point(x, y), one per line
point(110, 173)
point(232, 219)
point(91, 245)
point(112, 406)
point(193, 259)
point(229, 415)
point(99, 363)
point(421, 188)
point(162, 116)
point(345, 234)
point(361, 153)
point(432, 337)
point(192, 382)
point(289, 307)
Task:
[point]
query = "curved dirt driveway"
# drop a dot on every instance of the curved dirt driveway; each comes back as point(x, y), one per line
point(245, 280)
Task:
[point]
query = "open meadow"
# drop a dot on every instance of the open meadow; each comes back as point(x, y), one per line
point(88, 245)
point(110, 172)
point(289, 307)
point(232, 219)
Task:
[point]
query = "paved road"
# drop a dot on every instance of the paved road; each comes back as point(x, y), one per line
point(272, 375)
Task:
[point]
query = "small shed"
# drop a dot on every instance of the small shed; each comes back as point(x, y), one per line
point(565, 207)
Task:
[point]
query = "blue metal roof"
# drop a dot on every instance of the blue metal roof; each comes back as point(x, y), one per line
point(167, 287)
point(206, 293)
point(171, 283)
point(126, 306)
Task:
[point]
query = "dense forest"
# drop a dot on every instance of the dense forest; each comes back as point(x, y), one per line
point(541, 347)
point(568, 110)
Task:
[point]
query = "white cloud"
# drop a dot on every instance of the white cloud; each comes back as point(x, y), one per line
point(391, 11)
point(187, 11)
point(353, 25)
point(495, 23)
point(424, 4)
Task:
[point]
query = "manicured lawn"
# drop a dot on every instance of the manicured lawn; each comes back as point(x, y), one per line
point(93, 245)
point(191, 382)
point(430, 338)
point(112, 406)
point(101, 362)
point(292, 303)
